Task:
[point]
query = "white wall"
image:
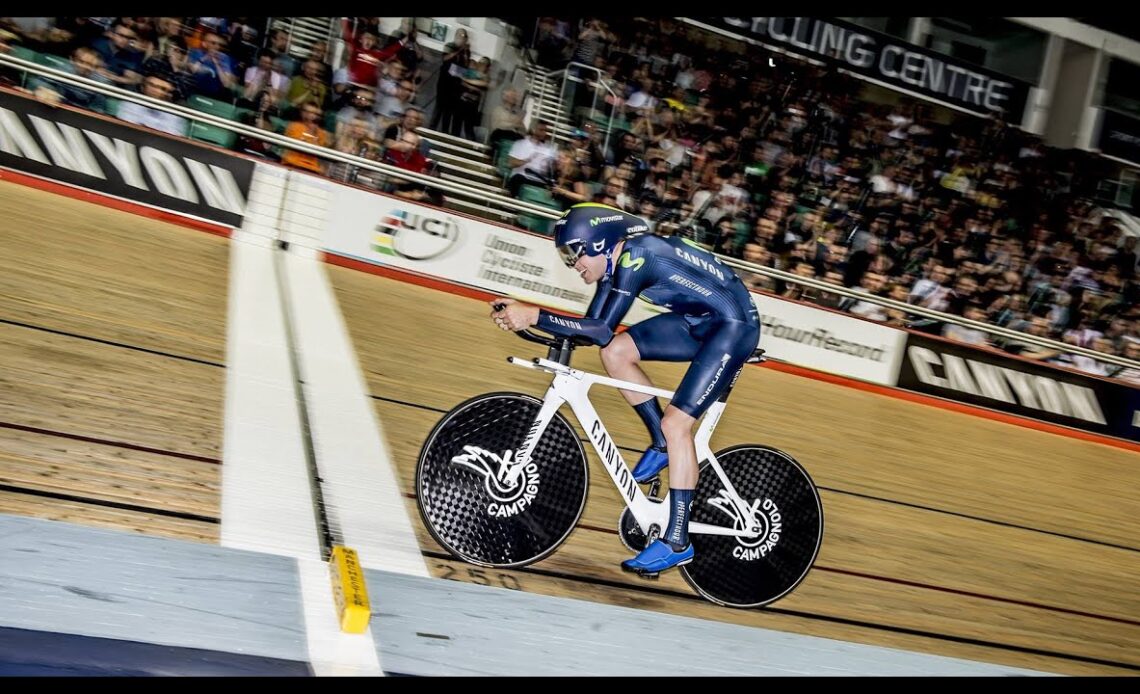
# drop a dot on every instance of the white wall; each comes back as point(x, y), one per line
point(1017, 59)
point(1071, 94)
point(1113, 44)
point(1037, 111)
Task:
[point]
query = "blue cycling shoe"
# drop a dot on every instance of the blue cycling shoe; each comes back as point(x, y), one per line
point(657, 557)
point(653, 461)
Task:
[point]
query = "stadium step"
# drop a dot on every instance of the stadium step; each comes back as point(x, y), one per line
point(438, 136)
point(489, 187)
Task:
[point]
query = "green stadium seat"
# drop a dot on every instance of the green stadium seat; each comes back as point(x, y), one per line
point(213, 107)
point(502, 165)
point(538, 196)
point(54, 61)
point(18, 51)
point(212, 134)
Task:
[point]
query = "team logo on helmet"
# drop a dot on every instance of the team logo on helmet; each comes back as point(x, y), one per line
point(595, 221)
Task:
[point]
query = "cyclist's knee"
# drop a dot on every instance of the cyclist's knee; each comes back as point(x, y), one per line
point(676, 423)
point(620, 351)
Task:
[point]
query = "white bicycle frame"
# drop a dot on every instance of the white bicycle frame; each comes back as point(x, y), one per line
point(572, 386)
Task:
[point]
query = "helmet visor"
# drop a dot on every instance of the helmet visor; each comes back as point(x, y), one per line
point(570, 252)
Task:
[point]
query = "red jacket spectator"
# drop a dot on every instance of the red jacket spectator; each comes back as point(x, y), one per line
point(364, 63)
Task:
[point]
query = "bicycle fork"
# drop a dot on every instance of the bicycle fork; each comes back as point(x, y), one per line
point(550, 404)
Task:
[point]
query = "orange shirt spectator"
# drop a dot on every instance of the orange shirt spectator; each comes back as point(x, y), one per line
point(308, 130)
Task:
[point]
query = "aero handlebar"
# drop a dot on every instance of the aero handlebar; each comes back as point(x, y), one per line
point(559, 348)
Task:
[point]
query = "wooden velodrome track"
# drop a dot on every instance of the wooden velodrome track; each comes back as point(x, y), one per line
point(945, 533)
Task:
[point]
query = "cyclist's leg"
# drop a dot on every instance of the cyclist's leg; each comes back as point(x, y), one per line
point(725, 347)
point(661, 338)
point(621, 357)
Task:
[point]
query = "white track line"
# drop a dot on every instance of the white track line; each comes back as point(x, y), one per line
point(361, 487)
point(266, 501)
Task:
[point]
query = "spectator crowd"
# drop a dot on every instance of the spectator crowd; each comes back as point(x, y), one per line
point(773, 161)
point(805, 169)
point(237, 68)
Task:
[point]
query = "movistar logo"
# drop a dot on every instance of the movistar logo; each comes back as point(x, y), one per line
point(595, 221)
point(628, 262)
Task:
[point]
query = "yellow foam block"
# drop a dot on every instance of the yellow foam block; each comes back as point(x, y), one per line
point(349, 590)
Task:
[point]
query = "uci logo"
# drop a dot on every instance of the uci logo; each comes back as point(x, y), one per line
point(771, 525)
point(415, 236)
point(511, 484)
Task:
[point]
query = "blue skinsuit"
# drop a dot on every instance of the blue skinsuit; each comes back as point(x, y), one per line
point(713, 322)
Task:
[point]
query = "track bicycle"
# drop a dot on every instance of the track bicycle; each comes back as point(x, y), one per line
point(502, 480)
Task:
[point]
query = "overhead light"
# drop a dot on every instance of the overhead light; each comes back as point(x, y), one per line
point(771, 62)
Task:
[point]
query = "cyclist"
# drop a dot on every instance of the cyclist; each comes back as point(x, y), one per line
point(712, 323)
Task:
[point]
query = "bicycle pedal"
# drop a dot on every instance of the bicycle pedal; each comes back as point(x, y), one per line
point(654, 486)
point(644, 575)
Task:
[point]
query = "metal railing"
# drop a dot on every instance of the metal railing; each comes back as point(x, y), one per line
point(520, 206)
point(567, 78)
point(990, 328)
point(303, 32)
point(279, 140)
